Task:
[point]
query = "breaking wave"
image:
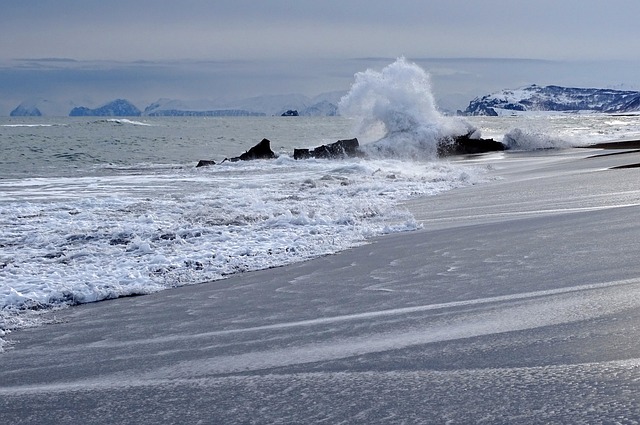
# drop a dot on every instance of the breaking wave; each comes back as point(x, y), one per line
point(123, 121)
point(395, 107)
point(530, 140)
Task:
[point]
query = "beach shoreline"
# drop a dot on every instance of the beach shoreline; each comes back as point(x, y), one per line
point(519, 298)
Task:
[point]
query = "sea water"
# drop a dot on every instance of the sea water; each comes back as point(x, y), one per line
point(94, 209)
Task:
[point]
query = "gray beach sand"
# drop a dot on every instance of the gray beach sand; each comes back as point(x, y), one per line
point(518, 302)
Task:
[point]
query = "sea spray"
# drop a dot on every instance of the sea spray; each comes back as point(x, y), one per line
point(397, 105)
point(530, 140)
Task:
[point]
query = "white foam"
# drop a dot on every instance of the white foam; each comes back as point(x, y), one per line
point(529, 140)
point(126, 121)
point(76, 240)
point(26, 125)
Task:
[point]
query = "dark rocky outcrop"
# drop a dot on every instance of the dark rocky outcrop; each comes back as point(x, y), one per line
point(205, 163)
point(466, 145)
point(349, 148)
point(340, 149)
point(260, 151)
point(290, 113)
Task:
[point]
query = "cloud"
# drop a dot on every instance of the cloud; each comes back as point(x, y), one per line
point(243, 29)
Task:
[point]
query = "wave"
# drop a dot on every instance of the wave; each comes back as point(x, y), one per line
point(126, 121)
point(530, 140)
point(397, 103)
point(28, 125)
point(122, 121)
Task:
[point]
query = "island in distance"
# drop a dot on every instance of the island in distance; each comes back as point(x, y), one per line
point(554, 98)
point(275, 105)
point(532, 98)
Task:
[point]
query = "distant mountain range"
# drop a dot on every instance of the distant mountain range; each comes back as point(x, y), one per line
point(555, 98)
point(322, 105)
point(531, 98)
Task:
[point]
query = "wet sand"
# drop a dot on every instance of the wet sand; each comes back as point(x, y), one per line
point(518, 302)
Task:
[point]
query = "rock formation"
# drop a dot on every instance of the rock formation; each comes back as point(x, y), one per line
point(262, 150)
point(340, 149)
point(465, 145)
point(349, 148)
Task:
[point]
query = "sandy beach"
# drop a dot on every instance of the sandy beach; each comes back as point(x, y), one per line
point(517, 302)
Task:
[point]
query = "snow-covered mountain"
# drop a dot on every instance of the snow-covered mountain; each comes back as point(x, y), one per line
point(325, 104)
point(197, 108)
point(42, 107)
point(116, 108)
point(26, 110)
point(271, 105)
point(555, 98)
point(323, 108)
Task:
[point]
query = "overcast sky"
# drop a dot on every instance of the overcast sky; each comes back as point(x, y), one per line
point(146, 49)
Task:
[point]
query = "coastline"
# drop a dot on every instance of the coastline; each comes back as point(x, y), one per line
point(620, 144)
point(530, 278)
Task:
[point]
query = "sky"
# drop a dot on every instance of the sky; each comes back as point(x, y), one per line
point(90, 52)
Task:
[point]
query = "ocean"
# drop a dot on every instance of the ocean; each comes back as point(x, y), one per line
point(94, 209)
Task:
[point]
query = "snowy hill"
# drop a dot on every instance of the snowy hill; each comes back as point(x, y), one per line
point(198, 108)
point(555, 98)
point(322, 105)
point(325, 104)
point(41, 107)
point(323, 108)
point(271, 105)
point(26, 110)
point(116, 108)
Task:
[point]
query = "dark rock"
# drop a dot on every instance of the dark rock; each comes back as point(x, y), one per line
point(205, 163)
point(301, 153)
point(290, 113)
point(340, 149)
point(260, 151)
point(465, 145)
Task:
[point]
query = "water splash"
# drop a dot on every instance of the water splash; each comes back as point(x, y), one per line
point(530, 140)
point(397, 104)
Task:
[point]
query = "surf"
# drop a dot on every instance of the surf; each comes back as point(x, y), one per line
point(395, 113)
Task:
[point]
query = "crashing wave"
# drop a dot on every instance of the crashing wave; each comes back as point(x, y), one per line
point(397, 103)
